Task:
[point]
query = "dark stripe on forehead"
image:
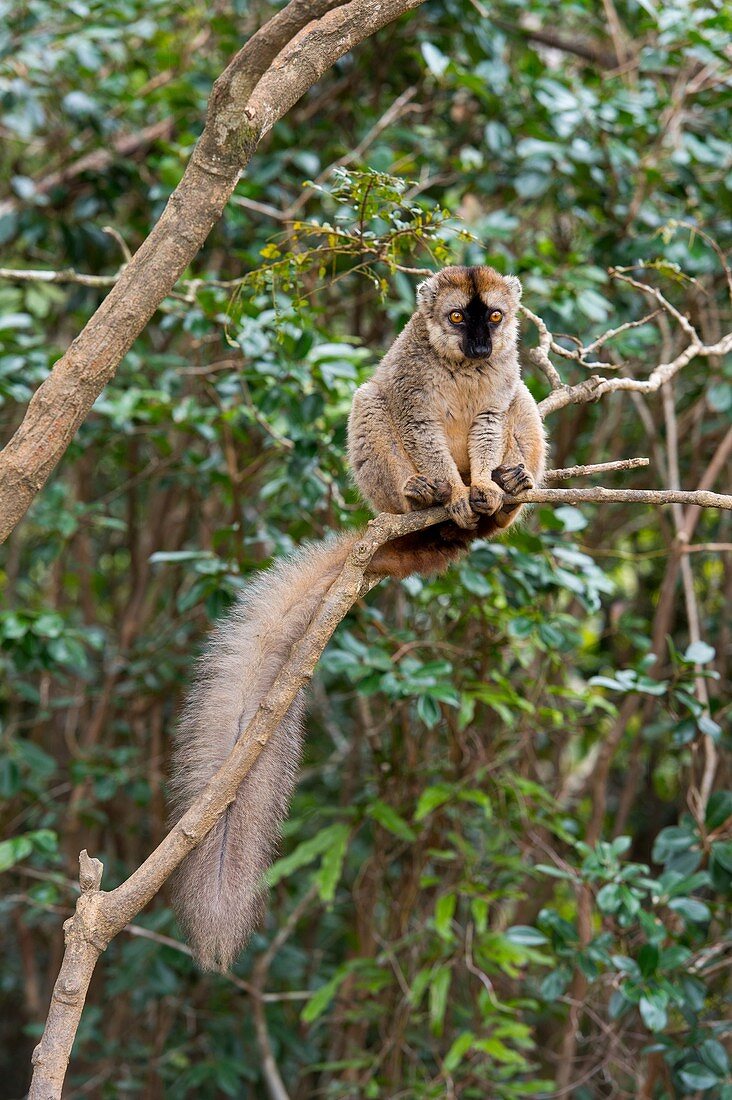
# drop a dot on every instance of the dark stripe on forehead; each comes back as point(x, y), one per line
point(475, 310)
point(473, 281)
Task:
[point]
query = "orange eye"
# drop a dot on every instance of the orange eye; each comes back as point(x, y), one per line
point(456, 316)
point(495, 316)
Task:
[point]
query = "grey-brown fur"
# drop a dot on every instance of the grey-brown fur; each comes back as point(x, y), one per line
point(218, 888)
point(431, 426)
point(435, 426)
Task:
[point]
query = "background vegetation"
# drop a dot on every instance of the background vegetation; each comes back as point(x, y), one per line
point(498, 878)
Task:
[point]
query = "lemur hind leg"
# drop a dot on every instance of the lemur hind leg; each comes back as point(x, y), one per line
point(383, 471)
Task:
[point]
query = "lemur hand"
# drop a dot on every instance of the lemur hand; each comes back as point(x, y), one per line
point(459, 507)
point(486, 499)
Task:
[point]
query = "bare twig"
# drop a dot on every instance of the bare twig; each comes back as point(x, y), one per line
point(600, 495)
point(592, 389)
point(124, 147)
point(270, 1070)
point(596, 468)
point(65, 275)
point(698, 796)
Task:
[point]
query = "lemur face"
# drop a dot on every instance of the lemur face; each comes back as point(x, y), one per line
point(470, 312)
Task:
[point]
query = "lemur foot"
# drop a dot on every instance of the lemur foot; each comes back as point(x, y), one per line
point(513, 479)
point(485, 499)
point(424, 493)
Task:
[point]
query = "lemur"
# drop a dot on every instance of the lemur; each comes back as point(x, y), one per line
point(445, 419)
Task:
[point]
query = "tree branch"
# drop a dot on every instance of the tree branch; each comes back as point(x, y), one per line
point(101, 915)
point(123, 147)
point(247, 99)
point(596, 468)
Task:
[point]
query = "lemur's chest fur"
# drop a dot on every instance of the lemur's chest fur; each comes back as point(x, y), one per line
point(459, 398)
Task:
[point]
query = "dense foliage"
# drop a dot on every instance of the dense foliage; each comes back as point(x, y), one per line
point(498, 878)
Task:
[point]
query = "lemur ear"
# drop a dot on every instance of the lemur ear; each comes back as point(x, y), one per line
point(426, 292)
point(514, 284)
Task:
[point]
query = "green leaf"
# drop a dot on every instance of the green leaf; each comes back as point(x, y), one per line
point(697, 1076)
point(428, 710)
point(322, 997)
point(389, 819)
point(555, 984)
point(14, 850)
point(610, 898)
point(525, 935)
point(332, 863)
point(722, 853)
point(479, 912)
point(648, 957)
point(305, 853)
point(435, 59)
point(181, 556)
point(419, 985)
point(572, 519)
point(709, 727)
point(478, 798)
point(18, 848)
point(457, 1051)
point(475, 582)
point(719, 808)
point(670, 840)
point(444, 912)
point(715, 1056)
point(439, 989)
point(653, 1014)
point(699, 653)
point(500, 1052)
point(431, 798)
point(555, 872)
point(689, 907)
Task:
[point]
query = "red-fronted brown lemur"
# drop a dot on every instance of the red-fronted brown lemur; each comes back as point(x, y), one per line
point(446, 420)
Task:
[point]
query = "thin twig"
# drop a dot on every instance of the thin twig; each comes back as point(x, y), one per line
point(270, 1070)
point(595, 468)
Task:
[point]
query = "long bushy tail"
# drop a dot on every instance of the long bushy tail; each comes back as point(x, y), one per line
point(218, 889)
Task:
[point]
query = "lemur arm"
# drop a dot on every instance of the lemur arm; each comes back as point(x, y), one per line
point(425, 443)
point(486, 445)
point(487, 440)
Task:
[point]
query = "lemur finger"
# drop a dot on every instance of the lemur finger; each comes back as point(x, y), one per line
point(513, 479)
point(442, 492)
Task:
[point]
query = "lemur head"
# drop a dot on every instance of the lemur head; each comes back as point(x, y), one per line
point(470, 312)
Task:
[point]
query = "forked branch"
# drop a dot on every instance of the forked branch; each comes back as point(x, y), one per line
point(285, 58)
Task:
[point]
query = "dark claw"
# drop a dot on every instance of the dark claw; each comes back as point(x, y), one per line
point(513, 479)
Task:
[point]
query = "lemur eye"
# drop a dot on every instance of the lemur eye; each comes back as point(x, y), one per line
point(495, 316)
point(456, 316)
